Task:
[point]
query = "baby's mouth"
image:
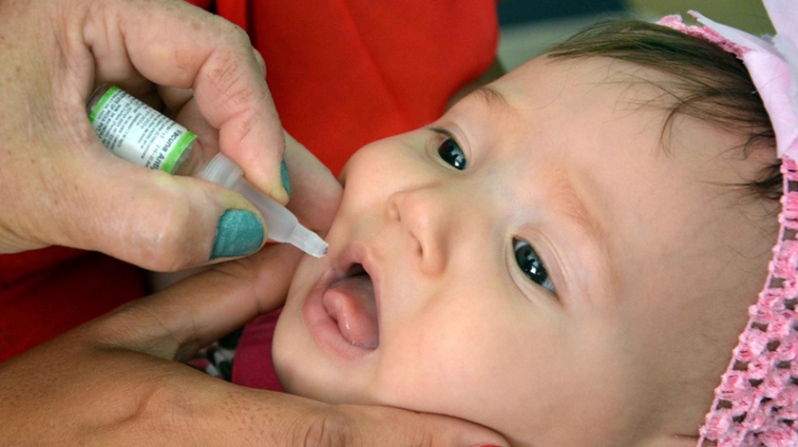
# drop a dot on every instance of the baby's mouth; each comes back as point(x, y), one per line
point(350, 302)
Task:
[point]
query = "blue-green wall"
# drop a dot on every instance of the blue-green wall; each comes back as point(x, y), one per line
point(520, 11)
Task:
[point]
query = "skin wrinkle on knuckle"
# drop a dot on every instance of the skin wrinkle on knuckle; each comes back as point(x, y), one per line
point(164, 238)
point(424, 439)
point(12, 242)
point(241, 271)
point(171, 341)
point(100, 40)
point(182, 62)
point(68, 58)
point(237, 38)
point(224, 62)
point(245, 273)
point(261, 62)
point(323, 428)
point(224, 75)
point(245, 128)
point(243, 115)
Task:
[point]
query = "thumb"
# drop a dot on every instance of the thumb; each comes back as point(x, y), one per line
point(151, 219)
point(193, 313)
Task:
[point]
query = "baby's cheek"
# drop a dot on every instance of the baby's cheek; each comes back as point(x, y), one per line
point(439, 370)
point(281, 352)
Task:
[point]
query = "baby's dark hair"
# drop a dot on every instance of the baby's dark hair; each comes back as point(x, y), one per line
point(710, 84)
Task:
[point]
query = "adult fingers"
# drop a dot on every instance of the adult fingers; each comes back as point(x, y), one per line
point(316, 194)
point(99, 394)
point(173, 44)
point(304, 422)
point(149, 218)
point(191, 314)
point(137, 397)
point(110, 382)
point(80, 195)
point(61, 187)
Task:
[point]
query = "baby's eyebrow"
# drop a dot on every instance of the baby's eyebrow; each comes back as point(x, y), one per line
point(574, 207)
point(491, 97)
point(568, 201)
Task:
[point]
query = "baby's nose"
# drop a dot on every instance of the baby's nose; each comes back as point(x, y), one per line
point(428, 219)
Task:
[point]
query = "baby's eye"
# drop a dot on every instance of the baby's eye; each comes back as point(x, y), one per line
point(529, 262)
point(450, 152)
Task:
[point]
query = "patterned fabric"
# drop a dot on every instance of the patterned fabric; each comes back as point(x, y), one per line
point(217, 359)
point(756, 404)
point(702, 32)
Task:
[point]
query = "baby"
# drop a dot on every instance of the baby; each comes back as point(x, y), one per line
point(566, 256)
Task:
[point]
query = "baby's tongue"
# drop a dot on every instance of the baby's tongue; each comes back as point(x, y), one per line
point(350, 302)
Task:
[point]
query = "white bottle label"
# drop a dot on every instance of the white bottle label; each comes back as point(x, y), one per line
point(134, 131)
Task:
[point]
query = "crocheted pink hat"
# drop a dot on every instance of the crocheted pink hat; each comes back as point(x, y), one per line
point(756, 404)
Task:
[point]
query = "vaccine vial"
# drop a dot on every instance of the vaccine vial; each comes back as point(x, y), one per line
point(140, 134)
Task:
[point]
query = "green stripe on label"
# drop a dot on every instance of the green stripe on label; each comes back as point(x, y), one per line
point(101, 103)
point(175, 157)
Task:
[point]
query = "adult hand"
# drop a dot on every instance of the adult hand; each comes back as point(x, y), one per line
point(61, 186)
point(113, 381)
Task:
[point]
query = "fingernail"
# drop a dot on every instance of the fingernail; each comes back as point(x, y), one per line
point(239, 233)
point(284, 177)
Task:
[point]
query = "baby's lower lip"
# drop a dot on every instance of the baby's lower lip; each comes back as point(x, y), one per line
point(324, 328)
point(350, 302)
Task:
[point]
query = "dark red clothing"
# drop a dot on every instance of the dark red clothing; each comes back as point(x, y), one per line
point(46, 292)
point(253, 360)
point(342, 73)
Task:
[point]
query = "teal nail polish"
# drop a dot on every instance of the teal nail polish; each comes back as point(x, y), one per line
point(239, 233)
point(284, 177)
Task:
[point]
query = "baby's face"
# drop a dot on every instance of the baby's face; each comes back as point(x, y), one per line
point(534, 261)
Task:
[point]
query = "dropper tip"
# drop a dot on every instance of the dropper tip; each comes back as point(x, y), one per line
point(313, 245)
point(307, 241)
point(318, 248)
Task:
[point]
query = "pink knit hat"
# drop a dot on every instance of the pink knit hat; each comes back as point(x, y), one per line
point(756, 404)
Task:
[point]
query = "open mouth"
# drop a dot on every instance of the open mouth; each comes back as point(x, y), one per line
point(350, 302)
